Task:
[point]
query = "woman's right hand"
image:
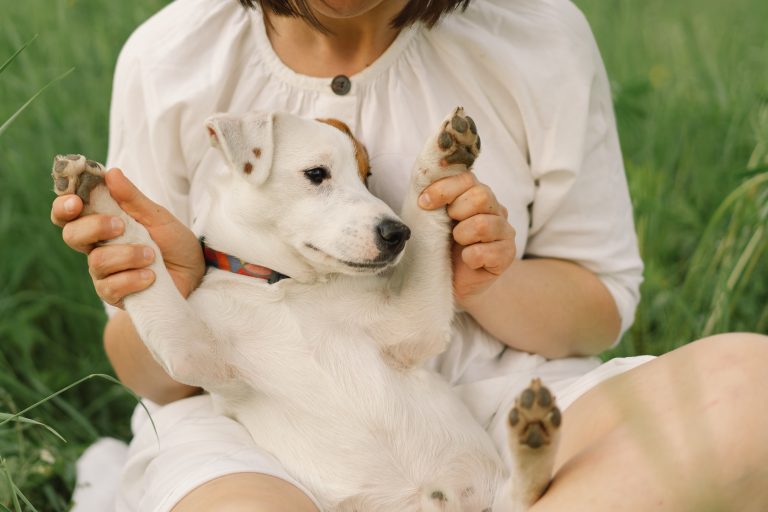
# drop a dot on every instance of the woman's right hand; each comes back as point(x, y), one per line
point(119, 270)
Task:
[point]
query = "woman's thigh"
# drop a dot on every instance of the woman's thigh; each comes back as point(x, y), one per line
point(246, 492)
point(686, 431)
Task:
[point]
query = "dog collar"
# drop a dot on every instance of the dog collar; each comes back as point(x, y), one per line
point(223, 261)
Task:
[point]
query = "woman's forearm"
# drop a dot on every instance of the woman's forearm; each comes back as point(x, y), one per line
point(135, 366)
point(550, 307)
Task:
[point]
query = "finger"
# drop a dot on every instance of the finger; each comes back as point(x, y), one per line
point(446, 190)
point(495, 257)
point(482, 228)
point(477, 199)
point(66, 208)
point(116, 287)
point(110, 259)
point(134, 202)
point(83, 233)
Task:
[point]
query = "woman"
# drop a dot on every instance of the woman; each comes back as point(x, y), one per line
point(549, 187)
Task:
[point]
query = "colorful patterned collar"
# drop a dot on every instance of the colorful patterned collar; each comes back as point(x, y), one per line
point(223, 261)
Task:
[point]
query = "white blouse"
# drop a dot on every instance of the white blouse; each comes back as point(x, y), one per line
point(527, 71)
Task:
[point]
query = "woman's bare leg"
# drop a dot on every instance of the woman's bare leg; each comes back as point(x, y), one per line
point(246, 492)
point(687, 432)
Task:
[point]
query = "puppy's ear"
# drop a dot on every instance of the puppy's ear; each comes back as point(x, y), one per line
point(245, 141)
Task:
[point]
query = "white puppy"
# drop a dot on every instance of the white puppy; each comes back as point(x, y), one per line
point(324, 367)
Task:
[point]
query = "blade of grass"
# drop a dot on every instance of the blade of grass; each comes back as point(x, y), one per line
point(20, 494)
point(64, 405)
point(76, 383)
point(11, 485)
point(21, 109)
point(22, 419)
point(16, 54)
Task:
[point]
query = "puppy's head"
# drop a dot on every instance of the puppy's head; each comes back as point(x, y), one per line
point(301, 183)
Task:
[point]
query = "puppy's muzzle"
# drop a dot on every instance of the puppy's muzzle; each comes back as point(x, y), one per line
point(391, 236)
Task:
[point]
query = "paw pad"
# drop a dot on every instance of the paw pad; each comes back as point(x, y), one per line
point(458, 140)
point(535, 418)
point(74, 174)
point(459, 124)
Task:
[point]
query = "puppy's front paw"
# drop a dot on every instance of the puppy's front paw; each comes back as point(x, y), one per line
point(75, 174)
point(458, 142)
point(535, 419)
point(453, 150)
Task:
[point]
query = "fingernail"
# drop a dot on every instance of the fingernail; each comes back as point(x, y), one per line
point(117, 225)
point(425, 201)
point(69, 205)
point(148, 254)
point(145, 275)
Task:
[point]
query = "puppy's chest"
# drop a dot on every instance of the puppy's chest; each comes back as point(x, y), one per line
point(263, 331)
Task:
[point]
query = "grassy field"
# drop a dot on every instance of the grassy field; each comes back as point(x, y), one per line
point(690, 83)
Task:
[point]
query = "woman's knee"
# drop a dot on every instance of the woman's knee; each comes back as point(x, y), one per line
point(733, 408)
point(712, 385)
point(732, 359)
point(246, 492)
point(727, 372)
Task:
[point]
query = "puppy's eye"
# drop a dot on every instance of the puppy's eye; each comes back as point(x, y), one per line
point(317, 175)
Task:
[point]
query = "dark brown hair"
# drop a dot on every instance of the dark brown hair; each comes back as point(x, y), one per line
point(427, 11)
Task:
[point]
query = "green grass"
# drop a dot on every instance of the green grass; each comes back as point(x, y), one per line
point(691, 91)
point(690, 83)
point(50, 319)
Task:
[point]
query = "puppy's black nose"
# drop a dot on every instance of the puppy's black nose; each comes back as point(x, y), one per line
point(391, 237)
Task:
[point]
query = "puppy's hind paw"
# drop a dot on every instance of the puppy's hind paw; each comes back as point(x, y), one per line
point(535, 419)
point(75, 174)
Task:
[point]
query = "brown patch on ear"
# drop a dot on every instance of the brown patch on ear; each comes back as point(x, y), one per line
point(257, 152)
point(248, 168)
point(212, 133)
point(361, 154)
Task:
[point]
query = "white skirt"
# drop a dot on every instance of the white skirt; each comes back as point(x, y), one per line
point(197, 445)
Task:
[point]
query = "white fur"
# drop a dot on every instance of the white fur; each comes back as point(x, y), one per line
point(324, 368)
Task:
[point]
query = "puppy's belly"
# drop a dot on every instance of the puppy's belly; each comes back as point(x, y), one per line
point(375, 432)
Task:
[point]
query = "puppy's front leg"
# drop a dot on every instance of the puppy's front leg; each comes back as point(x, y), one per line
point(166, 323)
point(421, 286)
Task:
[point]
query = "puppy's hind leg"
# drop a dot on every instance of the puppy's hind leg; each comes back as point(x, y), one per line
point(534, 432)
point(174, 334)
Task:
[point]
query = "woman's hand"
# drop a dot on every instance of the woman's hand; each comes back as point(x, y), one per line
point(531, 292)
point(119, 270)
point(483, 240)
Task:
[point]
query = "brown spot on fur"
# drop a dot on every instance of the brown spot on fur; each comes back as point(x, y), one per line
point(212, 133)
point(361, 154)
point(439, 496)
point(257, 152)
point(248, 168)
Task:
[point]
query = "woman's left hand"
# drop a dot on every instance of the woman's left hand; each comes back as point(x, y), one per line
point(483, 240)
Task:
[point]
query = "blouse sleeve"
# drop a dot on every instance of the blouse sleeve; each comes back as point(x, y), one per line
point(581, 210)
point(144, 138)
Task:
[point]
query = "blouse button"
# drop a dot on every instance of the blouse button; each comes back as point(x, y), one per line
point(341, 85)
